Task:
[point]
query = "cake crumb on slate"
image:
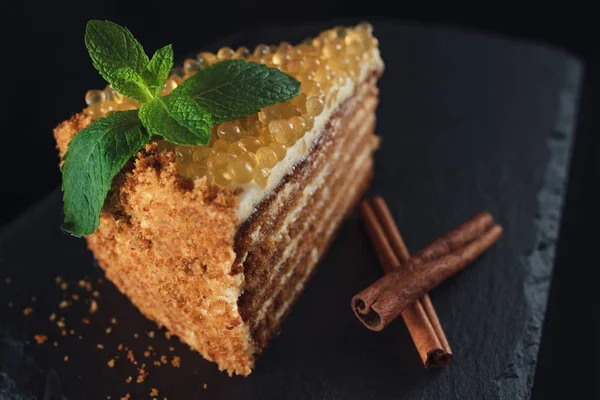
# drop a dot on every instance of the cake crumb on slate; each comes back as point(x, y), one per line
point(40, 339)
point(27, 311)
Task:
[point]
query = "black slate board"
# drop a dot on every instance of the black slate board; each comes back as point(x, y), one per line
point(469, 122)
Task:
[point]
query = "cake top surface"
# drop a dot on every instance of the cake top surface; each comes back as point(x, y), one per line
point(254, 152)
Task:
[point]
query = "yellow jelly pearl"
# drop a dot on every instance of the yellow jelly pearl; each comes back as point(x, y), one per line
point(279, 149)
point(240, 170)
point(201, 153)
point(229, 131)
point(314, 106)
point(261, 176)
point(267, 157)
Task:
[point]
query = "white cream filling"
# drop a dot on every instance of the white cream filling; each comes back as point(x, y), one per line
point(254, 194)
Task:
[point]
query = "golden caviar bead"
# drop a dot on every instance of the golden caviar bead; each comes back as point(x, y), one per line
point(251, 143)
point(240, 170)
point(279, 149)
point(184, 153)
point(249, 157)
point(280, 57)
point(290, 110)
point(261, 50)
point(314, 106)
point(196, 170)
point(295, 66)
point(170, 84)
point(365, 27)
point(206, 57)
point(95, 110)
point(310, 122)
point(312, 88)
point(220, 145)
point(299, 126)
point(163, 145)
point(225, 53)
point(261, 176)
point(300, 102)
point(229, 131)
point(190, 66)
point(201, 153)
point(237, 147)
point(93, 97)
point(222, 177)
point(282, 131)
point(217, 161)
point(267, 114)
point(332, 49)
point(241, 53)
point(267, 157)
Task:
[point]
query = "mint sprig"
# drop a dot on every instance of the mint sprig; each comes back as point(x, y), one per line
point(96, 155)
point(234, 89)
point(223, 92)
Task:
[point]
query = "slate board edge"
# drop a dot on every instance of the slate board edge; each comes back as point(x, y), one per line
point(517, 379)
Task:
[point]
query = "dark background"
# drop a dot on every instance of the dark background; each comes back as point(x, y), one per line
point(46, 72)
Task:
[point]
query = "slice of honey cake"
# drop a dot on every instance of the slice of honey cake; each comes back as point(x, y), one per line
point(216, 242)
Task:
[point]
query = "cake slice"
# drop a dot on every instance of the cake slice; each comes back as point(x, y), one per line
point(216, 242)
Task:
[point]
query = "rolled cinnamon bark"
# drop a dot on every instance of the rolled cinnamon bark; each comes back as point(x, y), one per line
point(420, 317)
point(392, 251)
point(384, 300)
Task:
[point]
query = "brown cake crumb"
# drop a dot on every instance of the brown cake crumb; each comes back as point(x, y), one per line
point(93, 307)
point(205, 386)
point(96, 293)
point(58, 279)
point(108, 330)
point(129, 379)
point(154, 392)
point(163, 359)
point(75, 296)
point(111, 362)
point(66, 358)
point(100, 346)
point(52, 317)
point(27, 311)
point(85, 321)
point(60, 324)
point(64, 285)
point(127, 397)
point(63, 304)
point(176, 362)
point(113, 321)
point(151, 334)
point(40, 339)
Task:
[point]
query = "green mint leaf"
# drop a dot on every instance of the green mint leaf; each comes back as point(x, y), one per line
point(95, 156)
point(131, 84)
point(113, 47)
point(178, 119)
point(234, 89)
point(159, 68)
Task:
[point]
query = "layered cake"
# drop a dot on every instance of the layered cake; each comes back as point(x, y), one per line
point(216, 242)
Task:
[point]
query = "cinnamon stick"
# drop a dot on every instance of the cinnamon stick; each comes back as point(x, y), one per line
point(420, 318)
point(380, 303)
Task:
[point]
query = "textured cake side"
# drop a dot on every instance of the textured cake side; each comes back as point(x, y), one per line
point(167, 244)
point(278, 247)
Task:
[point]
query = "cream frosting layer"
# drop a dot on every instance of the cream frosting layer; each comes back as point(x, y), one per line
point(253, 194)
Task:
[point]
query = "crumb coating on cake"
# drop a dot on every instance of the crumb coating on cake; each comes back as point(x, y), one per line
point(167, 243)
